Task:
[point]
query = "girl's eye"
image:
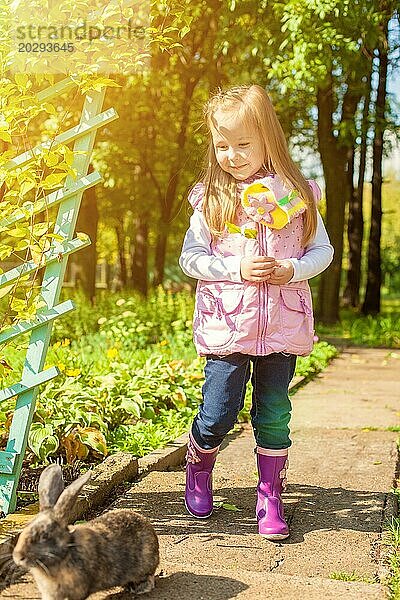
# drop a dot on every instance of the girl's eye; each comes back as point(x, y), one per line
point(221, 147)
point(244, 145)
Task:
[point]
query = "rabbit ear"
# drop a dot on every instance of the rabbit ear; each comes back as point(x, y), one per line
point(51, 485)
point(66, 501)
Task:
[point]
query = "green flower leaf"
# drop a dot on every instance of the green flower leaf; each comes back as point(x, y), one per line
point(250, 233)
point(232, 228)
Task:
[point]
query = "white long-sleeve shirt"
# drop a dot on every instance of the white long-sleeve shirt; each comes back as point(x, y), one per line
point(197, 261)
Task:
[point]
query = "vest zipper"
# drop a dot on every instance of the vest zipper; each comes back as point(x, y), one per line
point(263, 295)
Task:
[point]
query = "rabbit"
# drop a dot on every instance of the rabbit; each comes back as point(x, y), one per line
point(118, 548)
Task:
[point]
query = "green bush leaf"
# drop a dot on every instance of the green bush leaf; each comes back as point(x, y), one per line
point(92, 437)
point(42, 441)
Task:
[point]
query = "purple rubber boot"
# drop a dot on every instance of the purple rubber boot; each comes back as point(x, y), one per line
point(199, 466)
point(272, 465)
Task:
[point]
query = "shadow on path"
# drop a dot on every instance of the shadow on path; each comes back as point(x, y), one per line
point(190, 586)
point(307, 508)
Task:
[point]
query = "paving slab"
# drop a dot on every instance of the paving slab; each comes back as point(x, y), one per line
point(359, 389)
point(193, 582)
point(330, 507)
point(336, 502)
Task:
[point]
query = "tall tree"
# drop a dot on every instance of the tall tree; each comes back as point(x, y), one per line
point(323, 50)
point(337, 160)
point(372, 300)
point(194, 62)
point(355, 222)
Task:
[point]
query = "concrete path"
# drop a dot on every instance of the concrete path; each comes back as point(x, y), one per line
point(342, 466)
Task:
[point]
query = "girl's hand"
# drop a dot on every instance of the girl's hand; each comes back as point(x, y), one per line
point(283, 272)
point(257, 268)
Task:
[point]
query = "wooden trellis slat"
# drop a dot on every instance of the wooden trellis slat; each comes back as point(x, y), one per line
point(24, 326)
point(82, 184)
point(18, 388)
point(55, 259)
point(68, 136)
point(52, 255)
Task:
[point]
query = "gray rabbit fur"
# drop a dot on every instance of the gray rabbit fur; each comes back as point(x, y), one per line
point(119, 548)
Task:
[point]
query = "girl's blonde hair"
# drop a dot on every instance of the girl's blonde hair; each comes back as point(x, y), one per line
point(220, 199)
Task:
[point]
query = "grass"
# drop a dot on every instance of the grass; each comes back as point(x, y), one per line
point(353, 576)
point(392, 541)
point(382, 330)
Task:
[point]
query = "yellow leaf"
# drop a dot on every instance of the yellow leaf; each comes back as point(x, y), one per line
point(82, 236)
point(21, 245)
point(53, 180)
point(26, 186)
point(51, 159)
point(4, 290)
point(68, 155)
point(5, 136)
point(21, 79)
point(18, 304)
point(40, 229)
point(49, 108)
point(19, 232)
point(93, 438)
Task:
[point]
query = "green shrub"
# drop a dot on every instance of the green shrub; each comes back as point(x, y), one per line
point(130, 378)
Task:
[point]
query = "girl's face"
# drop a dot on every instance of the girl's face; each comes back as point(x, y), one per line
point(238, 147)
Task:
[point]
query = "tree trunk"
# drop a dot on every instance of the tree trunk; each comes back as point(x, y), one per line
point(119, 230)
point(337, 160)
point(86, 258)
point(204, 44)
point(139, 255)
point(352, 193)
point(334, 165)
point(173, 180)
point(355, 225)
point(372, 300)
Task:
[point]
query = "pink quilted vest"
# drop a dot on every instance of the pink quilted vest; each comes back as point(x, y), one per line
point(254, 318)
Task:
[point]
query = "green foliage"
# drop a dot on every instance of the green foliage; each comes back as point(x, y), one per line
point(353, 576)
point(382, 330)
point(127, 315)
point(122, 387)
point(391, 539)
point(25, 120)
point(322, 354)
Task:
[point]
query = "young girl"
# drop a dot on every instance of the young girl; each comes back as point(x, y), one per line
point(254, 240)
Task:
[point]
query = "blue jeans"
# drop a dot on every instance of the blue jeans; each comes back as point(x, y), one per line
point(223, 397)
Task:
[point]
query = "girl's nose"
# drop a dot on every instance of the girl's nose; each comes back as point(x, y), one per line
point(231, 153)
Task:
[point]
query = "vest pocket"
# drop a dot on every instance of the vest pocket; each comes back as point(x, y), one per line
point(217, 308)
point(296, 313)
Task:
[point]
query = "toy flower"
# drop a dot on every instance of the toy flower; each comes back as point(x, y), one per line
point(258, 207)
point(261, 205)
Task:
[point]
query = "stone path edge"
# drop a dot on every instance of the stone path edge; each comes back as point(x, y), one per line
point(390, 511)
